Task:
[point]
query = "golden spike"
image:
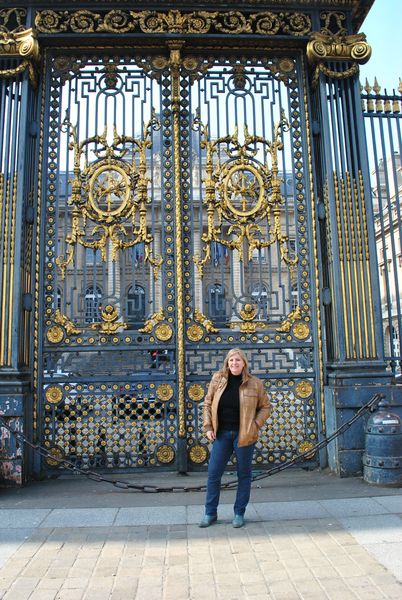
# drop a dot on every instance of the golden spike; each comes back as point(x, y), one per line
point(376, 86)
point(400, 86)
point(367, 87)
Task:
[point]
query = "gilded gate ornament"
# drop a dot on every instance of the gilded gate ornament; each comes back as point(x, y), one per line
point(112, 193)
point(242, 191)
point(198, 454)
point(325, 46)
point(109, 323)
point(174, 21)
point(53, 394)
point(164, 392)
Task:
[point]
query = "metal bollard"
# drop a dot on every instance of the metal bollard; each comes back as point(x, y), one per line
point(382, 459)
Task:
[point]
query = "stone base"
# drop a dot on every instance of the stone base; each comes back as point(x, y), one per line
point(341, 403)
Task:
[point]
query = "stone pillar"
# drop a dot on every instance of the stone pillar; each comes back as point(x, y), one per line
point(355, 366)
point(17, 214)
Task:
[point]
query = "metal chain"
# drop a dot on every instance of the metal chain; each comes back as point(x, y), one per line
point(126, 485)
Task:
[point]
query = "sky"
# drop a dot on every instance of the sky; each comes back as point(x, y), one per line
point(383, 28)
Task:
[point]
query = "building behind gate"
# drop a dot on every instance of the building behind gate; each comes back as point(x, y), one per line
point(177, 180)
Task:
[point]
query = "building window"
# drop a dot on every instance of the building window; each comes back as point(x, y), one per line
point(220, 254)
point(93, 297)
point(217, 303)
point(295, 296)
point(136, 304)
point(260, 297)
point(58, 299)
point(92, 256)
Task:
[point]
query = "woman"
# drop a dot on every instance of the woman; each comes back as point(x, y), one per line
point(235, 408)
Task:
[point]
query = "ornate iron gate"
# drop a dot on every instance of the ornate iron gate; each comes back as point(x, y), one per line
point(176, 222)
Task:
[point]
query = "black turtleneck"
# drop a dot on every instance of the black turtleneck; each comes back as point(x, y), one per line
point(229, 405)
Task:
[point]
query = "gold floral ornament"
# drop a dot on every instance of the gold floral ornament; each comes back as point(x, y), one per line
point(163, 332)
point(55, 334)
point(109, 322)
point(195, 333)
point(196, 392)
point(301, 330)
point(164, 392)
point(304, 389)
point(109, 196)
point(243, 192)
point(165, 454)
point(53, 394)
point(304, 448)
point(55, 456)
point(198, 454)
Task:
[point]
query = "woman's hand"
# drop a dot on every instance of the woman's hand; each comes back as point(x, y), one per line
point(210, 435)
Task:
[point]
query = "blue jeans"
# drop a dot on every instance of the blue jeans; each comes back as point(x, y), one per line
point(222, 449)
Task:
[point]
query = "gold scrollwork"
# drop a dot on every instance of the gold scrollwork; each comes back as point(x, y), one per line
point(163, 332)
point(65, 322)
point(53, 394)
point(304, 389)
point(109, 322)
point(325, 46)
point(198, 454)
point(152, 321)
point(22, 44)
point(111, 192)
point(287, 323)
point(248, 313)
point(174, 21)
point(165, 454)
point(204, 321)
point(196, 392)
point(164, 392)
point(242, 191)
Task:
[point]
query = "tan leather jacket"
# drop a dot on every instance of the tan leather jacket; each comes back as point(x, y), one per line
point(255, 407)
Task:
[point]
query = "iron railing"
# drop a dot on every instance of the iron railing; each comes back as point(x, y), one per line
point(383, 121)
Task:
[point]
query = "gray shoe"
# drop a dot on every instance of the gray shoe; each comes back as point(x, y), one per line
point(238, 521)
point(207, 520)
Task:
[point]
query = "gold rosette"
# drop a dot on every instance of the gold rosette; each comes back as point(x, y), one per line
point(198, 454)
point(304, 389)
point(195, 392)
point(164, 392)
point(165, 454)
point(54, 394)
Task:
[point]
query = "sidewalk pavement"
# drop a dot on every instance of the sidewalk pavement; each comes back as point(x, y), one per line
point(308, 535)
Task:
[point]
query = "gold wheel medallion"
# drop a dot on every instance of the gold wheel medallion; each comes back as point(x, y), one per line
point(163, 332)
point(164, 392)
point(165, 454)
point(55, 334)
point(195, 333)
point(301, 331)
point(304, 389)
point(58, 455)
point(195, 392)
point(53, 394)
point(198, 454)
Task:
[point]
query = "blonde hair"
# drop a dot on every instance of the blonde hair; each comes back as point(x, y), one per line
point(225, 368)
